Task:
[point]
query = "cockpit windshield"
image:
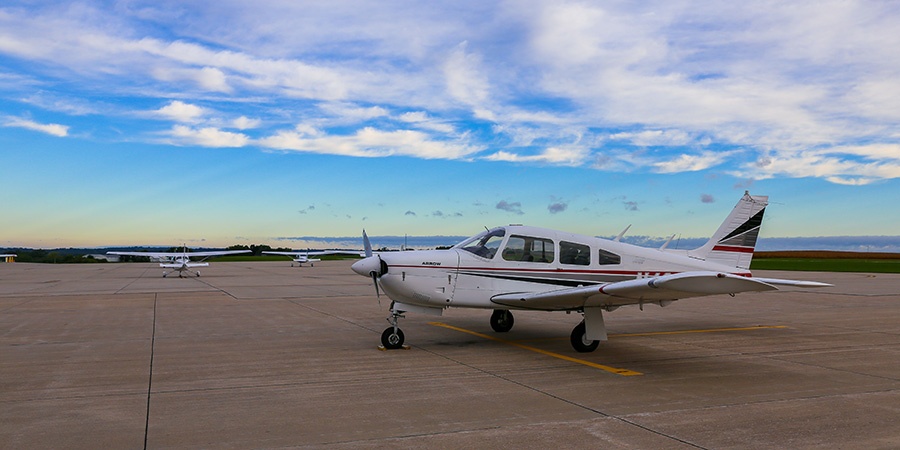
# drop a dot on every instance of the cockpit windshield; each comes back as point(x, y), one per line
point(484, 244)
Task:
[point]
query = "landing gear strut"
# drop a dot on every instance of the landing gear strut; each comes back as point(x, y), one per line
point(392, 337)
point(502, 320)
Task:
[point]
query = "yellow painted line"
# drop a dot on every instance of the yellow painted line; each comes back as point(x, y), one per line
point(615, 370)
point(659, 333)
point(711, 330)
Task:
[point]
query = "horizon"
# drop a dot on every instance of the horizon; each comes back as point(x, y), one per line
point(866, 244)
point(235, 123)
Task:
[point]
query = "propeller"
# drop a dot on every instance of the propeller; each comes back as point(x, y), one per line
point(371, 266)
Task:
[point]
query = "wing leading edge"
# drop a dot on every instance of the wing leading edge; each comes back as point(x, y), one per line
point(659, 289)
point(204, 255)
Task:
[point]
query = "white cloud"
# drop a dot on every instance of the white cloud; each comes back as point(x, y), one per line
point(181, 112)
point(421, 119)
point(353, 113)
point(466, 82)
point(649, 138)
point(48, 128)
point(207, 137)
point(208, 79)
point(692, 163)
point(753, 76)
point(563, 156)
point(371, 142)
point(829, 164)
point(212, 79)
point(245, 123)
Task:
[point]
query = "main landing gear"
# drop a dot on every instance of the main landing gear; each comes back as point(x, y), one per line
point(502, 320)
point(579, 340)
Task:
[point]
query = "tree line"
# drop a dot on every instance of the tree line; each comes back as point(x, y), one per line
point(83, 256)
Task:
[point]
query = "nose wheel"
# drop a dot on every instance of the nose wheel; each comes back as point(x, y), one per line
point(392, 337)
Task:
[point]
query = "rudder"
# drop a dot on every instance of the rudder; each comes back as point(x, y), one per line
point(733, 243)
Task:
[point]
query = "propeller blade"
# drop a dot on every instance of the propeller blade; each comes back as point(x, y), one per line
point(375, 282)
point(366, 244)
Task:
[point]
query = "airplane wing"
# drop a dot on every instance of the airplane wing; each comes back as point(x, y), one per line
point(217, 253)
point(157, 255)
point(315, 252)
point(663, 288)
point(163, 255)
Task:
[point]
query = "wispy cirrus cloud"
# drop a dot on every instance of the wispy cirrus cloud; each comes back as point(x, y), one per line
point(371, 142)
point(573, 84)
point(206, 137)
point(53, 129)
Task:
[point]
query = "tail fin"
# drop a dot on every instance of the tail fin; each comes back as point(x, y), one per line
point(734, 241)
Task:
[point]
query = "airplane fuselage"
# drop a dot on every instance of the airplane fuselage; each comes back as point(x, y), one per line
point(529, 268)
point(522, 259)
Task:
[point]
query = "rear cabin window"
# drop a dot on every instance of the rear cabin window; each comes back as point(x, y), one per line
point(528, 249)
point(575, 254)
point(609, 258)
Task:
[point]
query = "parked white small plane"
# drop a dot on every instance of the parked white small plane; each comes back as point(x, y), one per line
point(303, 256)
point(528, 268)
point(181, 261)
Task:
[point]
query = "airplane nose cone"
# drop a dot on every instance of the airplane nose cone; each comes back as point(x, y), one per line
point(366, 266)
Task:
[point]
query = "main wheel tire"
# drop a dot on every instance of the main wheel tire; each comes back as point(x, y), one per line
point(391, 340)
point(502, 320)
point(580, 341)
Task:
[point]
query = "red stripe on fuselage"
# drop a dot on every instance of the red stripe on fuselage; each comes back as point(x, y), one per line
point(733, 249)
point(634, 273)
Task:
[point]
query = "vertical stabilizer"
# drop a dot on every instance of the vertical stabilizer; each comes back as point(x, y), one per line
point(734, 241)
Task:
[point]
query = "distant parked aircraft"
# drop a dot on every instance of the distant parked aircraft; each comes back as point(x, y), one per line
point(302, 256)
point(181, 261)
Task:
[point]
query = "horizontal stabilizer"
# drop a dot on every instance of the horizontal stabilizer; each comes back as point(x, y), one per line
point(793, 283)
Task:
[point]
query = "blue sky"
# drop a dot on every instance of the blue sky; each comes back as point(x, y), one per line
point(232, 122)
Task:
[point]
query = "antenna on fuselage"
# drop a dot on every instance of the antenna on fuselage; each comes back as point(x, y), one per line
point(667, 242)
point(619, 237)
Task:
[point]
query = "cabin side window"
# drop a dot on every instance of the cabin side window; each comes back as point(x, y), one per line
point(528, 249)
point(609, 258)
point(575, 254)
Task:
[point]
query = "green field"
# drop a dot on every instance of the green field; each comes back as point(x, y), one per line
point(814, 261)
point(827, 261)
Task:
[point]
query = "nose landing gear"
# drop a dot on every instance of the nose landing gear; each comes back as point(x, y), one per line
point(392, 337)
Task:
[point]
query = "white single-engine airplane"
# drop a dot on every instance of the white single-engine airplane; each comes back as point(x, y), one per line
point(303, 256)
point(181, 261)
point(529, 268)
